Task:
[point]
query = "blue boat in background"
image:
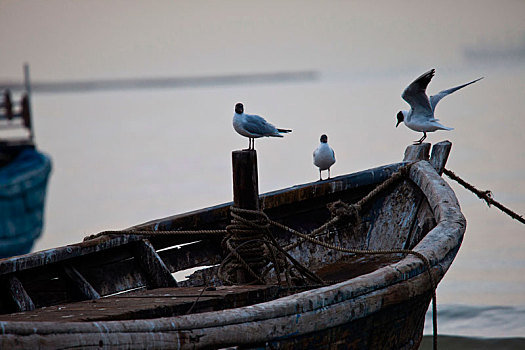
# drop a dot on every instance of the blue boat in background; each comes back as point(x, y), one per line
point(24, 174)
point(23, 183)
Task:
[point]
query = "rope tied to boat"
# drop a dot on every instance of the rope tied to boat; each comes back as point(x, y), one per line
point(484, 195)
point(243, 242)
point(252, 247)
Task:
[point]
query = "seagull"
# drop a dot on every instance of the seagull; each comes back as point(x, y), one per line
point(254, 126)
point(421, 114)
point(324, 156)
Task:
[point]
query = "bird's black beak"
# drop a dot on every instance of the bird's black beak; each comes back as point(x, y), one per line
point(400, 117)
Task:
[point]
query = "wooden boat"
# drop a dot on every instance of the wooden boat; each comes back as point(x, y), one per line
point(24, 172)
point(116, 289)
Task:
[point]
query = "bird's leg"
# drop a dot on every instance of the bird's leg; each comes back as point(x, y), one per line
point(328, 173)
point(420, 141)
point(320, 177)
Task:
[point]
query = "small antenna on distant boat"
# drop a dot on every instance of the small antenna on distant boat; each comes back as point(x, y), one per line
point(26, 108)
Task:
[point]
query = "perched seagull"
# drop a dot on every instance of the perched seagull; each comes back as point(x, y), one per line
point(254, 126)
point(421, 114)
point(324, 156)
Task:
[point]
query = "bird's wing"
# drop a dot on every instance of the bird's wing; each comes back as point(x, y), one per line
point(416, 96)
point(434, 99)
point(258, 125)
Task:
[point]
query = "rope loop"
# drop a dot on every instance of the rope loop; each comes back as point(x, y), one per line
point(344, 211)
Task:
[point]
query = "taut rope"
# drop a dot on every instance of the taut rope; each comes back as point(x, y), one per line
point(484, 195)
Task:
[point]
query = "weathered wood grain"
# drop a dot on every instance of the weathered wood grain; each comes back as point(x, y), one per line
point(246, 196)
point(439, 156)
point(424, 221)
point(417, 152)
point(20, 297)
point(157, 273)
point(205, 252)
point(146, 304)
point(395, 217)
point(81, 283)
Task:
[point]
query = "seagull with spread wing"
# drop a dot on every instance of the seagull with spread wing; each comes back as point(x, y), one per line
point(420, 117)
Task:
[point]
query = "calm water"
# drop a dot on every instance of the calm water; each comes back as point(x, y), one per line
point(125, 157)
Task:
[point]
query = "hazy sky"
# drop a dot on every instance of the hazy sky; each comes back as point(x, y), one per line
point(101, 39)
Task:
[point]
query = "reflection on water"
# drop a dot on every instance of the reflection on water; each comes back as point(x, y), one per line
point(479, 321)
point(469, 343)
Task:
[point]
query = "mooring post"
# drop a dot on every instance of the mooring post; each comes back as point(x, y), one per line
point(245, 179)
point(245, 194)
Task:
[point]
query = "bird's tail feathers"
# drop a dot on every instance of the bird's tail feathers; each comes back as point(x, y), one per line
point(284, 131)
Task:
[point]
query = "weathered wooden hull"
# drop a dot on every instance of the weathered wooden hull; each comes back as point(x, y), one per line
point(380, 308)
point(23, 184)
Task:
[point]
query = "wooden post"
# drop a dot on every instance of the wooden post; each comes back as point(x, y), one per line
point(26, 110)
point(245, 179)
point(439, 156)
point(413, 153)
point(245, 190)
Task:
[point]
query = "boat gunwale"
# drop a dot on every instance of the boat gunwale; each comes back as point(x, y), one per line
point(203, 216)
point(448, 233)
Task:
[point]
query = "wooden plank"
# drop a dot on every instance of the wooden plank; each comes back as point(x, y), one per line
point(20, 297)
point(394, 219)
point(157, 273)
point(161, 302)
point(116, 278)
point(275, 199)
point(206, 252)
point(121, 270)
point(81, 283)
point(439, 156)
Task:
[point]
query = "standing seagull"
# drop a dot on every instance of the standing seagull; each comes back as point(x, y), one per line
point(324, 156)
point(421, 114)
point(254, 126)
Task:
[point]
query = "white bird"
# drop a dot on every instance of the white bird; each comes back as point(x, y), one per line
point(421, 114)
point(254, 126)
point(324, 156)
